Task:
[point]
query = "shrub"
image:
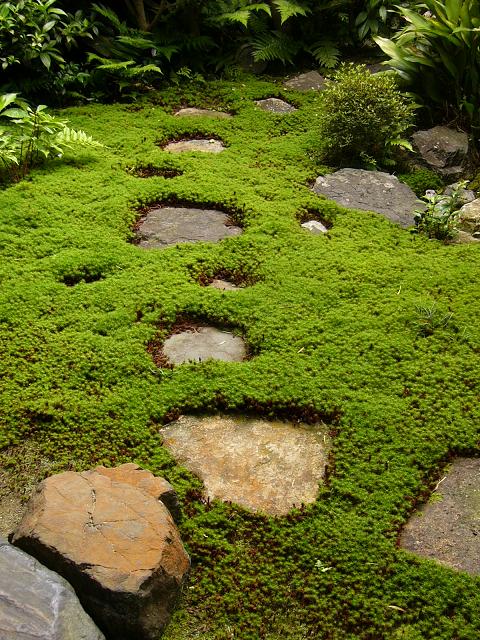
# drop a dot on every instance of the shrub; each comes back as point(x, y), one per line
point(439, 218)
point(364, 117)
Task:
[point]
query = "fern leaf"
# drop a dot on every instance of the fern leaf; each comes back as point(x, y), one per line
point(326, 53)
point(274, 46)
point(289, 8)
point(243, 14)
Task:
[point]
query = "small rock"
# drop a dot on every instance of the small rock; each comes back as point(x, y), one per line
point(275, 105)
point(315, 227)
point(378, 67)
point(206, 146)
point(463, 237)
point(465, 195)
point(311, 81)
point(202, 344)
point(223, 285)
point(36, 603)
point(116, 544)
point(469, 216)
point(443, 149)
point(193, 112)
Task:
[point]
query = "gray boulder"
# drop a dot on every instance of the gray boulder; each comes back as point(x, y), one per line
point(36, 603)
point(310, 81)
point(443, 149)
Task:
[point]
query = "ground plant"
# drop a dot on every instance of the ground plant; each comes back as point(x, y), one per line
point(439, 218)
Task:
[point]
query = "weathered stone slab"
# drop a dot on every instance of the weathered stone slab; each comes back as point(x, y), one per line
point(447, 528)
point(193, 112)
point(38, 604)
point(167, 226)
point(315, 227)
point(371, 191)
point(115, 542)
point(203, 343)
point(442, 148)
point(223, 285)
point(275, 105)
point(310, 81)
point(469, 216)
point(206, 146)
point(262, 465)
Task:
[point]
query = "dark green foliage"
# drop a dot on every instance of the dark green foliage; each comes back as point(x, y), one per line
point(421, 180)
point(332, 321)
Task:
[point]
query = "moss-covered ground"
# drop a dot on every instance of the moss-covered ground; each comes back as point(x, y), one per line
point(372, 329)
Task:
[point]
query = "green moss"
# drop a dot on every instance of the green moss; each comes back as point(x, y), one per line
point(332, 322)
point(421, 180)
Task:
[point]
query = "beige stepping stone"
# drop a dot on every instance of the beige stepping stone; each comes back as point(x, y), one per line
point(261, 465)
point(204, 343)
point(275, 105)
point(193, 112)
point(315, 227)
point(223, 285)
point(204, 145)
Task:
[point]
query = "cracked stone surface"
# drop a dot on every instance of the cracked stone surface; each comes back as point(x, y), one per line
point(116, 543)
point(193, 112)
point(442, 149)
point(315, 227)
point(259, 464)
point(203, 343)
point(447, 528)
point(371, 191)
point(167, 226)
point(36, 603)
point(204, 145)
point(310, 81)
point(223, 285)
point(275, 105)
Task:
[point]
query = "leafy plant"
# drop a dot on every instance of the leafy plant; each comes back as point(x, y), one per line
point(364, 115)
point(33, 135)
point(431, 318)
point(439, 217)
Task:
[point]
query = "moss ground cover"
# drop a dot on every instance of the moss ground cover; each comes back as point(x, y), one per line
point(336, 329)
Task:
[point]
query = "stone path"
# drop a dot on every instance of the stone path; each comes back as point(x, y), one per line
point(275, 105)
point(167, 226)
point(193, 112)
point(204, 343)
point(261, 465)
point(197, 144)
point(310, 81)
point(447, 528)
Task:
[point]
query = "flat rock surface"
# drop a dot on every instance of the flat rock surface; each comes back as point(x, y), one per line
point(259, 464)
point(315, 227)
point(442, 148)
point(203, 343)
point(193, 112)
point(223, 285)
point(204, 145)
point(447, 528)
point(167, 226)
point(310, 81)
point(275, 105)
point(370, 191)
point(116, 544)
point(38, 604)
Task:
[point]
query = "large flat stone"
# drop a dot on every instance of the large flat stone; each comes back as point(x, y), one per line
point(204, 145)
point(167, 226)
point(193, 112)
point(310, 81)
point(38, 604)
point(447, 528)
point(371, 191)
point(275, 105)
point(442, 148)
point(262, 465)
point(204, 343)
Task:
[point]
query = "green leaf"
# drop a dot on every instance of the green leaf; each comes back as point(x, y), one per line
point(46, 60)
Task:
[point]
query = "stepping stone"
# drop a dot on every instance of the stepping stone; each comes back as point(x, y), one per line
point(275, 105)
point(315, 227)
point(259, 464)
point(36, 603)
point(204, 343)
point(204, 145)
point(371, 191)
point(447, 528)
point(193, 112)
point(223, 285)
point(167, 226)
point(443, 149)
point(311, 81)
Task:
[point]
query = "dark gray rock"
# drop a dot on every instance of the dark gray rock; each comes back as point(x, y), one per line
point(371, 191)
point(36, 603)
point(275, 105)
point(465, 195)
point(204, 343)
point(167, 226)
point(310, 81)
point(442, 149)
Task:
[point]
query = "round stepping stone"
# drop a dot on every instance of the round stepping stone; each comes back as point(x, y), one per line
point(223, 285)
point(204, 145)
point(311, 81)
point(275, 105)
point(262, 465)
point(315, 227)
point(193, 112)
point(371, 191)
point(204, 343)
point(447, 528)
point(167, 226)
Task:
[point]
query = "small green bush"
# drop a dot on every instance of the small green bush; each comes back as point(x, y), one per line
point(364, 118)
point(421, 180)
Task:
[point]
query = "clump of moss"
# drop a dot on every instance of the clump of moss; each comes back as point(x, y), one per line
point(420, 180)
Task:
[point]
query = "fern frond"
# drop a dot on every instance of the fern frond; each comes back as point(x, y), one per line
point(326, 53)
point(289, 9)
point(267, 47)
point(243, 14)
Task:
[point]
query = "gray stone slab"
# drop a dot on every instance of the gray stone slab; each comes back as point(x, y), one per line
point(167, 226)
point(371, 191)
point(315, 227)
point(447, 528)
point(262, 465)
point(193, 112)
point(310, 81)
point(223, 285)
point(197, 144)
point(204, 343)
point(442, 148)
point(275, 105)
point(36, 603)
